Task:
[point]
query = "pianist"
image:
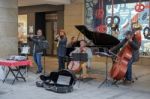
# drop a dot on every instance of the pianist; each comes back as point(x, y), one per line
point(72, 42)
point(84, 65)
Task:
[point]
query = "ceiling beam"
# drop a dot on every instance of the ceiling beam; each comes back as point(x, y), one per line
point(39, 2)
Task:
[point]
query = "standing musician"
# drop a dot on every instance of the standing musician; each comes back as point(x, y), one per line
point(61, 48)
point(37, 50)
point(134, 40)
point(84, 65)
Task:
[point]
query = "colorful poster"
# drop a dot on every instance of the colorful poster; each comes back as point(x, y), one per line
point(126, 12)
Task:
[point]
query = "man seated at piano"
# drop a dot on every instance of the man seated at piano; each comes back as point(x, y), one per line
point(72, 42)
point(84, 65)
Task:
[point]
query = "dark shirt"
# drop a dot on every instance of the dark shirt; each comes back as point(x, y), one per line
point(135, 45)
point(61, 50)
point(71, 45)
point(36, 43)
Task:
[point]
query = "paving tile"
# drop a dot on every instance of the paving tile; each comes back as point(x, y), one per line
point(87, 90)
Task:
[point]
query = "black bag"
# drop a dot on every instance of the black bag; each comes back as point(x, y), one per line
point(59, 82)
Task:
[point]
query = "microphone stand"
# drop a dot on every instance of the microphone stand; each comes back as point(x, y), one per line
point(44, 60)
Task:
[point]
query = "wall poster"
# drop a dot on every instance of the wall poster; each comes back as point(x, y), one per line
point(126, 12)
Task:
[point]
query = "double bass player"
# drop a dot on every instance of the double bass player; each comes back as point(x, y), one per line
point(133, 39)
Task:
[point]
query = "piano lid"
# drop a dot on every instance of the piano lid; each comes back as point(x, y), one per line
point(99, 39)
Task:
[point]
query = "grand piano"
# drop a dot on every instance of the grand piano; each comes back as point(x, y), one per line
point(100, 40)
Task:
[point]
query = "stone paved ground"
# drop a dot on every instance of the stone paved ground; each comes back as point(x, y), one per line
point(86, 90)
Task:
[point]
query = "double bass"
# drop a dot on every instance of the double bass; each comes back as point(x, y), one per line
point(119, 67)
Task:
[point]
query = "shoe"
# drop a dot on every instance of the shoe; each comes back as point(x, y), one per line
point(83, 76)
point(38, 72)
point(127, 82)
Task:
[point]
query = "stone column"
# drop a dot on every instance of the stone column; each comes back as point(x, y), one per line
point(8, 27)
point(73, 15)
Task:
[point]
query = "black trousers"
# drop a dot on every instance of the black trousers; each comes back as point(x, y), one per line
point(61, 62)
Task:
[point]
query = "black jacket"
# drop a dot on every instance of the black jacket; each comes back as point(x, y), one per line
point(36, 43)
point(135, 45)
point(61, 50)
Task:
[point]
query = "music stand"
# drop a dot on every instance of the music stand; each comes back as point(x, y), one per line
point(25, 51)
point(106, 81)
point(45, 46)
point(80, 57)
point(44, 60)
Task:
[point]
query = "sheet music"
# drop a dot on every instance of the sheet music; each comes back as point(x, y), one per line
point(25, 50)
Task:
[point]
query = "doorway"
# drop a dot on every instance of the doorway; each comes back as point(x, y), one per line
point(49, 37)
point(51, 31)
